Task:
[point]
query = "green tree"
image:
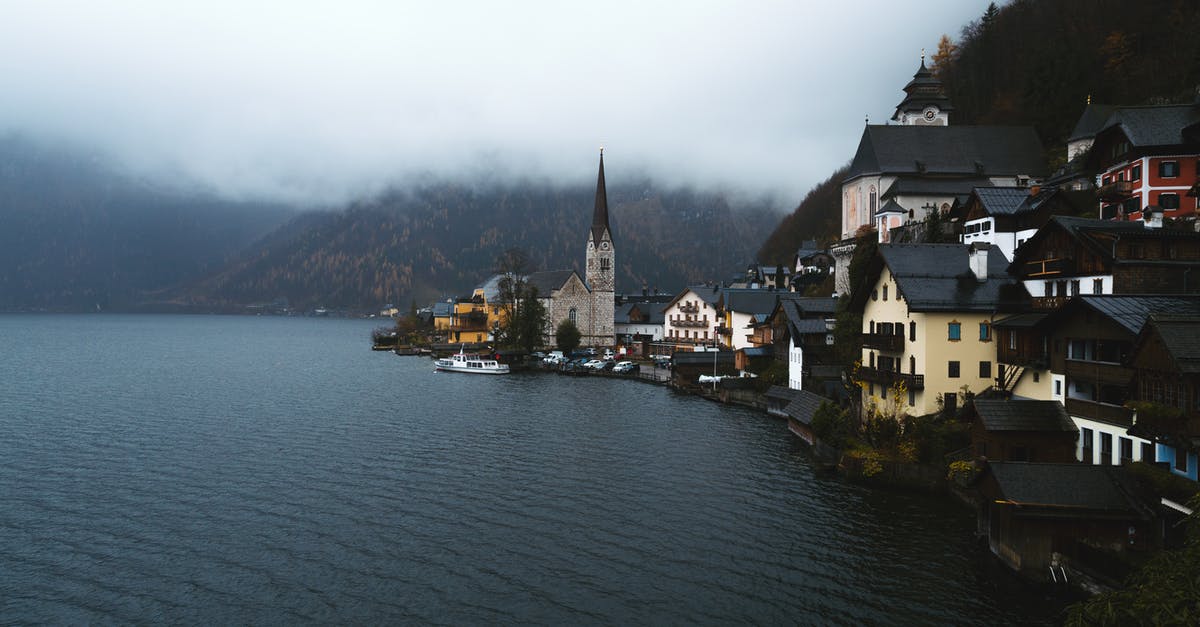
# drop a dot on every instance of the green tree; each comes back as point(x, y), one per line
point(523, 317)
point(567, 336)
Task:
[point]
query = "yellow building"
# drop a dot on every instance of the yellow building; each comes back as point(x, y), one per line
point(927, 324)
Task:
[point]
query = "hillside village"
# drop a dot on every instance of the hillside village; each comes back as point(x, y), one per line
point(988, 322)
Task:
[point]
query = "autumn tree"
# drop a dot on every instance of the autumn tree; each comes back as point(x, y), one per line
point(944, 55)
point(523, 317)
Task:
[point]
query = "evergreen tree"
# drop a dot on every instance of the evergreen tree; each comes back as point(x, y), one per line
point(567, 337)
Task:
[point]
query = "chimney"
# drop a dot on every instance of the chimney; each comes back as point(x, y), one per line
point(977, 255)
point(1153, 216)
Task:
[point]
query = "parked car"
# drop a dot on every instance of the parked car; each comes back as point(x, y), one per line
point(626, 367)
point(589, 350)
point(608, 364)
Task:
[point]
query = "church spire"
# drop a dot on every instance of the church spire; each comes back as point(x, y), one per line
point(600, 212)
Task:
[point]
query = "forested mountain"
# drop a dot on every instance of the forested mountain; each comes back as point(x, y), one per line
point(78, 236)
point(442, 240)
point(75, 235)
point(1037, 62)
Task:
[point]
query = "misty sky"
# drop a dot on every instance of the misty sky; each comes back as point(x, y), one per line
point(325, 101)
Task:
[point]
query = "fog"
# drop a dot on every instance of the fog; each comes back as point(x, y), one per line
point(316, 102)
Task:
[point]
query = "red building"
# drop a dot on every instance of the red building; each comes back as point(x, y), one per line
point(1149, 157)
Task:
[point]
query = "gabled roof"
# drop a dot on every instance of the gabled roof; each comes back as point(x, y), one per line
point(964, 151)
point(938, 277)
point(808, 247)
point(652, 311)
point(1091, 121)
point(1023, 415)
point(1132, 310)
point(1065, 487)
point(749, 301)
point(549, 280)
point(442, 309)
point(891, 206)
point(1162, 125)
point(921, 186)
point(706, 293)
point(811, 305)
point(1096, 235)
point(802, 404)
point(1180, 335)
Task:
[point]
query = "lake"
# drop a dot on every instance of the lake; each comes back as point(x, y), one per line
point(216, 469)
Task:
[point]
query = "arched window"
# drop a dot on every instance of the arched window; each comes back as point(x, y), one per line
point(874, 200)
point(912, 364)
point(571, 315)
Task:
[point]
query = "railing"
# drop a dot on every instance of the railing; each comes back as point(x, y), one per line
point(1037, 361)
point(1111, 414)
point(883, 342)
point(1097, 372)
point(690, 323)
point(723, 330)
point(689, 308)
point(1117, 190)
point(1048, 302)
point(888, 377)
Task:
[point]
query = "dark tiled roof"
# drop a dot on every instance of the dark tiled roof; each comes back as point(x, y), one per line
point(1011, 200)
point(803, 404)
point(1021, 321)
point(1181, 336)
point(891, 206)
point(948, 150)
point(548, 281)
point(811, 305)
point(808, 326)
point(685, 358)
point(757, 351)
point(1015, 415)
point(1154, 125)
point(1132, 310)
point(750, 301)
point(918, 186)
point(442, 308)
point(1091, 121)
point(1079, 486)
point(600, 211)
point(923, 90)
point(938, 277)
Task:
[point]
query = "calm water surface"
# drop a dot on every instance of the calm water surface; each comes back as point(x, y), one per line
point(267, 470)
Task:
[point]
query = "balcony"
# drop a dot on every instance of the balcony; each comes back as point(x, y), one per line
point(888, 377)
point(1098, 372)
point(1035, 360)
point(697, 324)
point(1048, 303)
point(1047, 268)
point(693, 308)
point(1103, 412)
point(1117, 190)
point(879, 341)
point(724, 330)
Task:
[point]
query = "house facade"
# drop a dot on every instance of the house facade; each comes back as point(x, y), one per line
point(1148, 156)
point(927, 324)
point(692, 318)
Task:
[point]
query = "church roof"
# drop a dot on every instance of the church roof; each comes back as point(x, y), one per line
point(959, 151)
point(600, 212)
point(1091, 121)
point(919, 186)
point(549, 280)
point(922, 91)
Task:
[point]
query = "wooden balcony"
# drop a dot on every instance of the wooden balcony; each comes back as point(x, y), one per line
point(1098, 372)
point(879, 341)
point(1103, 412)
point(1117, 190)
point(689, 308)
point(695, 324)
point(1036, 360)
point(888, 377)
point(1048, 303)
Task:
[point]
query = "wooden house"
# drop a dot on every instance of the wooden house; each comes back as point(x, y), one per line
point(1021, 431)
point(1166, 389)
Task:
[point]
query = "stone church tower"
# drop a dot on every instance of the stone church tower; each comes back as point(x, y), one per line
point(601, 270)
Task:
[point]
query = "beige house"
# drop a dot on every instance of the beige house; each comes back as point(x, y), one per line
point(927, 324)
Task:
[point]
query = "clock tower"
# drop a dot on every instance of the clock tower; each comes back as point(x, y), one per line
point(925, 102)
point(601, 269)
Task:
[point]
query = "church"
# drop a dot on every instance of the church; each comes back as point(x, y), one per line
point(589, 301)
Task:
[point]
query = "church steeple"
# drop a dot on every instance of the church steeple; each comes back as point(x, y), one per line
point(925, 101)
point(600, 212)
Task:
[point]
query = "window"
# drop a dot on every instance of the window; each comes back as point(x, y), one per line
point(953, 370)
point(1048, 289)
point(885, 291)
point(1126, 446)
point(605, 263)
point(874, 294)
point(1085, 445)
point(1136, 173)
point(1147, 452)
point(1036, 377)
point(1168, 201)
point(1106, 448)
point(1097, 286)
point(1012, 340)
point(1075, 287)
point(1181, 459)
point(571, 315)
point(985, 332)
point(1058, 388)
point(1168, 169)
point(912, 397)
point(954, 332)
point(912, 331)
point(985, 370)
point(1132, 205)
point(912, 365)
point(872, 327)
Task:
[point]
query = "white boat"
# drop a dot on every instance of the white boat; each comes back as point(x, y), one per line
point(470, 362)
